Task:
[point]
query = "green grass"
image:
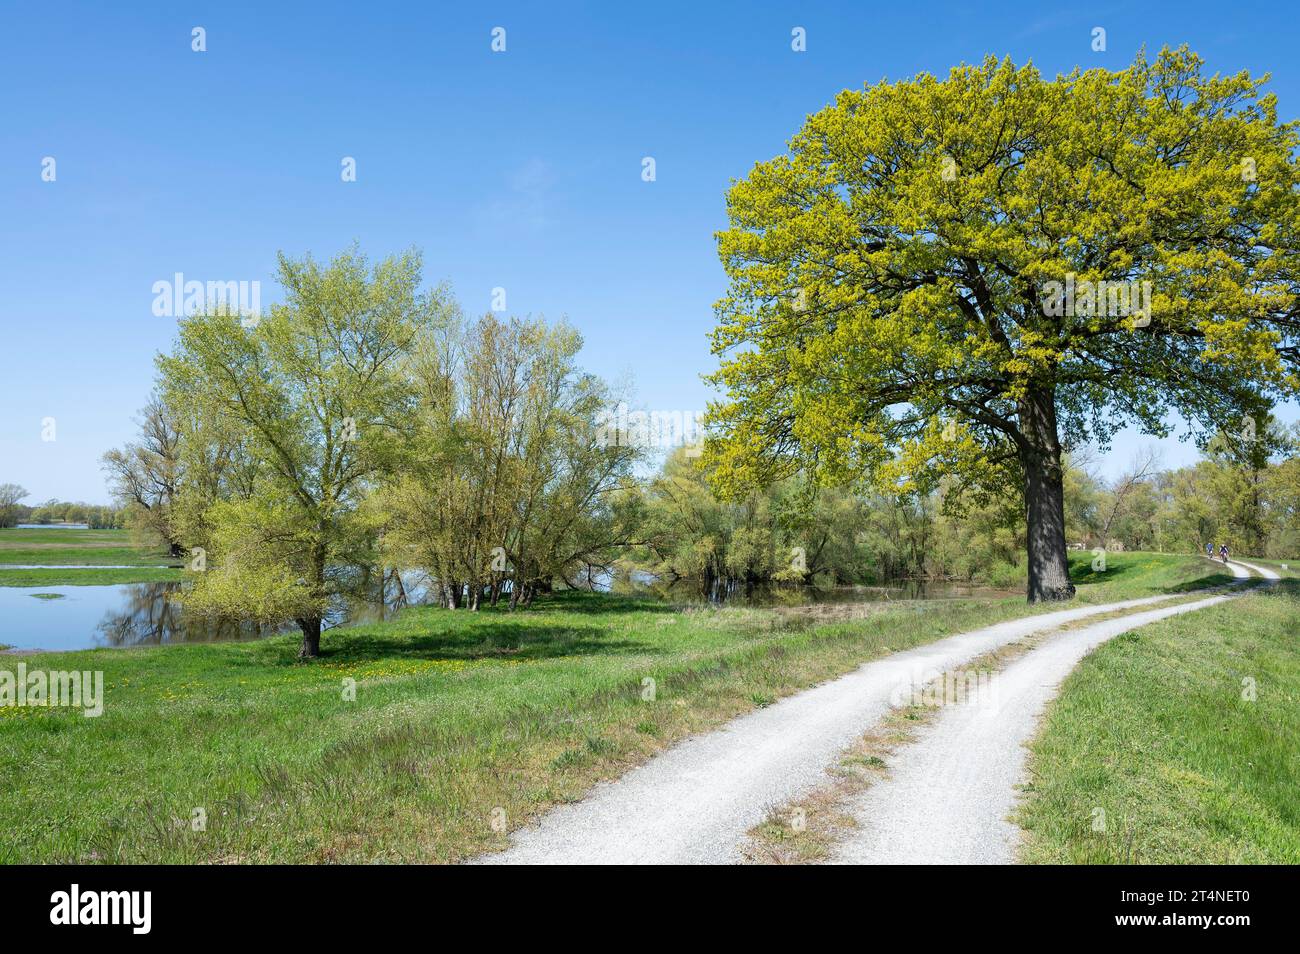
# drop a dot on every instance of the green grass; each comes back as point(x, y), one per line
point(1136, 574)
point(40, 536)
point(1153, 729)
point(80, 548)
point(89, 577)
point(456, 715)
point(76, 548)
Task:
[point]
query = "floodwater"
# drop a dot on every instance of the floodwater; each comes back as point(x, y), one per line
point(135, 614)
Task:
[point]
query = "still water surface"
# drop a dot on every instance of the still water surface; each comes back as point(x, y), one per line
point(130, 614)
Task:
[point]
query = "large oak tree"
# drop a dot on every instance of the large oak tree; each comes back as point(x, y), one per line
point(887, 320)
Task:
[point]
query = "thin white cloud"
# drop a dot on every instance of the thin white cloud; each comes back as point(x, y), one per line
point(525, 203)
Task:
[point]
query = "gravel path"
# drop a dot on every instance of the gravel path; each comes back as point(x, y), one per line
point(1239, 570)
point(948, 795)
point(693, 803)
point(1265, 572)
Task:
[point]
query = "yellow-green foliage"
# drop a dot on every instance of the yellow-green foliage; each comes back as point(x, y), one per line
point(257, 566)
point(310, 402)
point(885, 314)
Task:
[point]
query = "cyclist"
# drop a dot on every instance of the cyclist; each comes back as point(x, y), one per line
point(1209, 551)
point(1223, 552)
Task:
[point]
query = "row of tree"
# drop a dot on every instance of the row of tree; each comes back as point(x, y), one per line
point(364, 425)
point(96, 516)
point(1244, 492)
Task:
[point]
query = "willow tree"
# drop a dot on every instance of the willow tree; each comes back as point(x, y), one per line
point(144, 476)
point(10, 496)
point(915, 287)
point(317, 395)
point(506, 480)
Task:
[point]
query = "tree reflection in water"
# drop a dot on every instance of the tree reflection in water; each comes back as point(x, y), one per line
point(151, 614)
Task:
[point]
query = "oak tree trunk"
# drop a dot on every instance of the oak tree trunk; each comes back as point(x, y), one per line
point(1040, 457)
point(310, 638)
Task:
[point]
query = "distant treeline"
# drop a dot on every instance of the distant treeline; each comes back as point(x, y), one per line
point(96, 516)
point(1245, 493)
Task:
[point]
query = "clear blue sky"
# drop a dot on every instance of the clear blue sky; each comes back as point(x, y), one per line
point(519, 170)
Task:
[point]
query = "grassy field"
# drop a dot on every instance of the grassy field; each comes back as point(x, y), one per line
point(1137, 574)
point(90, 577)
point(1186, 735)
point(456, 716)
point(108, 550)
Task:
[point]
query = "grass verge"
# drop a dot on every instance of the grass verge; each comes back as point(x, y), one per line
point(1176, 743)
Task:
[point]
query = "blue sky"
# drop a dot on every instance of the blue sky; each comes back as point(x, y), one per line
point(519, 169)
